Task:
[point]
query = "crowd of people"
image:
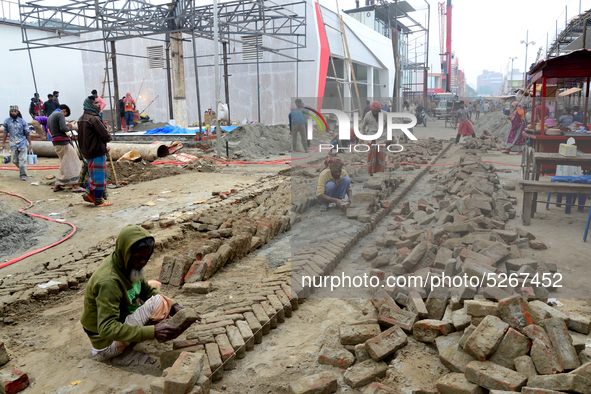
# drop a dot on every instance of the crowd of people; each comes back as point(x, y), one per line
point(89, 137)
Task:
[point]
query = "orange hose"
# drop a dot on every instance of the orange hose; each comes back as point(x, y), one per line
point(37, 216)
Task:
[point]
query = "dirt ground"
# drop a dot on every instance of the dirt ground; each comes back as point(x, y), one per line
point(49, 344)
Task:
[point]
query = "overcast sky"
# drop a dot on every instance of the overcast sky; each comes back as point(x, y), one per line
point(485, 34)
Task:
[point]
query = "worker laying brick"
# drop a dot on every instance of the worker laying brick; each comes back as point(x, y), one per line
point(121, 308)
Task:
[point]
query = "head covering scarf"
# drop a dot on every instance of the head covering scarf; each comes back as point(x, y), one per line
point(14, 107)
point(128, 99)
point(376, 106)
point(89, 106)
point(333, 164)
point(514, 103)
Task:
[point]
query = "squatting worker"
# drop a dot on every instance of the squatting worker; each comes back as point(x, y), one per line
point(121, 307)
point(93, 137)
point(333, 184)
point(297, 124)
point(18, 132)
point(61, 138)
point(464, 123)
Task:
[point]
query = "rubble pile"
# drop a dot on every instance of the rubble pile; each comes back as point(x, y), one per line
point(511, 344)
point(493, 121)
point(485, 141)
point(228, 232)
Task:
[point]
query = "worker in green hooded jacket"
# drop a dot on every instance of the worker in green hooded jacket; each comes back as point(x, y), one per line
point(121, 308)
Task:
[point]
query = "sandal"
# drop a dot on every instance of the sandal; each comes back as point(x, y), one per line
point(104, 204)
point(323, 208)
point(133, 358)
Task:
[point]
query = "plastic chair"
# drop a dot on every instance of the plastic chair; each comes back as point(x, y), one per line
point(587, 227)
point(569, 196)
point(586, 179)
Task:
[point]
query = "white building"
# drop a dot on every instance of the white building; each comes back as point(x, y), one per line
point(76, 73)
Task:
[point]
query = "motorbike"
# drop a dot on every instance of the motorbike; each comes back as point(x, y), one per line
point(421, 117)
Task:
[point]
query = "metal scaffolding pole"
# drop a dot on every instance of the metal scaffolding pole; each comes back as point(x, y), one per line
point(216, 60)
point(197, 82)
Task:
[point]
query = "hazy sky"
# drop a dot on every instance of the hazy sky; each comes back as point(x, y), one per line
point(485, 34)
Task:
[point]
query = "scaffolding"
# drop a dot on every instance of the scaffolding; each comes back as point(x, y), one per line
point(574, 29)
point(75, 21)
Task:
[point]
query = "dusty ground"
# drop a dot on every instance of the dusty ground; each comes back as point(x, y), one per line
point(51, 347)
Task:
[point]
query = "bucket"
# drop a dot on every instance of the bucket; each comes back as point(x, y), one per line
point(31, 158)
point(4, 157)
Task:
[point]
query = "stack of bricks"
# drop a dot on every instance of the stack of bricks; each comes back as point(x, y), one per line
point(229, 333)
point(504, 346)
point(484, 142)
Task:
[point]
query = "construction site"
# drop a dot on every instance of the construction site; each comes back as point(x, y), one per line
point(451, 266)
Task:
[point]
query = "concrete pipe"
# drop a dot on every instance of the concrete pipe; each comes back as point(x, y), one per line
point(147, 151)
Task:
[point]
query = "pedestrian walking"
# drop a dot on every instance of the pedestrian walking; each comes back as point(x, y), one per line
point(93, 137)
point(464, 123)
point(17, 130)
point(297, 124)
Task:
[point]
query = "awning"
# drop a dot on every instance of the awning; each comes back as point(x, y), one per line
point(569, 92)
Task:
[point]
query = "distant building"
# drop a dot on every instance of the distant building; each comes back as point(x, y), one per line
point(514, 80)
point(489, 83)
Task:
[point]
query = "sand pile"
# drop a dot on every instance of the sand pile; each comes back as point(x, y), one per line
point(254, 141)
point(493, 121)
point(18, 231)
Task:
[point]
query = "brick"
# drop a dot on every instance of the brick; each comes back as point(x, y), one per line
point(369, 253)
point(378, 388)
point(494, 377)
point(262, 317)
point(455, 359)
point(287, 307)
point(354, 334)
point(255, 326)
point(456, 383)
point(460, 319)
point(166, 270)
point(361, 353)
point(215, 361)
point(542, 352)
point(413, 258)
point(545, 309)
point(585, 356)
point(584, 370)
point(389, 317)
point(427, 330)
point(364, 373)
point(183, 318)
point(576, 323)
point(196, 272)
point(183, 374)
point(227, 352)
point(416, 304)
point(4, 357)
point(13, 381)
point(513, 345)
point(437, 302)
point(335, 355)
point(236, 340)
point(561, 382)
point(322, 383)
point(386, 343)
point(562, 343)
point(531, 390)
point(466, 334)
point(180, 269)
point(167, 359)
point(197, 288)
point(497, 252)
point(481, 308)
point(525, 366)
point(247, 335)
point(180, 344)
point(484, 340)
point(277, 306)
point(515, 311)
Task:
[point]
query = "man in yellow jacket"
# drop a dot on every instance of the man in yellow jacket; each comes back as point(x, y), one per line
point(121, 308)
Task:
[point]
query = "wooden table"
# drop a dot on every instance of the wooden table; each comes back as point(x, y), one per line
point(532, 188)
point(551, 143)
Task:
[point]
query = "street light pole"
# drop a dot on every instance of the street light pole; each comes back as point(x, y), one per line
point(527, 43)
point(511, 80)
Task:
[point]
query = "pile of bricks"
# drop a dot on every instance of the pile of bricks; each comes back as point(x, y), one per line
point(227, 334)
point(484, 142)
point(12, 380)
point(225, 233)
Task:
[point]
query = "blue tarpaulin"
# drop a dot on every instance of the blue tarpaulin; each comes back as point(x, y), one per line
point(168, 129)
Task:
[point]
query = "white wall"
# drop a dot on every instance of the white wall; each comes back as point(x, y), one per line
point(55, 69)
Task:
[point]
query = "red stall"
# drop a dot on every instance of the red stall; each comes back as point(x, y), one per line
point(562, 70)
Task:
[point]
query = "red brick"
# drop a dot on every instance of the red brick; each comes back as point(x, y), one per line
point(14, 381)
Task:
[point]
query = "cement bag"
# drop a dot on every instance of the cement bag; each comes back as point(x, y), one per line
point(222, 111)
point(132, 155)
point(569, 170)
